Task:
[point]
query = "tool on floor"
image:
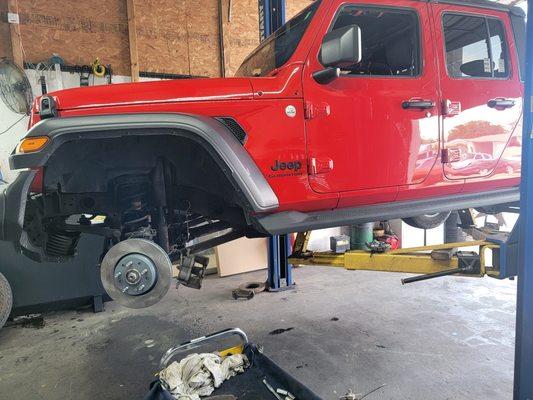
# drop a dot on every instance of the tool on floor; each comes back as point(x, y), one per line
point(350, 395)
point(271, 389)
point(248, 290)
point(288, 395)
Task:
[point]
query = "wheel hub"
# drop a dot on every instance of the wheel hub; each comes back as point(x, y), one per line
point(135, 274)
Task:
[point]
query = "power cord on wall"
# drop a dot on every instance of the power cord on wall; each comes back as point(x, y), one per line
point(13, 124)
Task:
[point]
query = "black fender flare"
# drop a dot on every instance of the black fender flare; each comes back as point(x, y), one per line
point(227, 151)
point(12, 207)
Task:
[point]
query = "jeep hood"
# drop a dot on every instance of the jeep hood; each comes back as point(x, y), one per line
point(168, 91)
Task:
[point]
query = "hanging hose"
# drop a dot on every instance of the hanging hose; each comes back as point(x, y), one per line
point(98, 68)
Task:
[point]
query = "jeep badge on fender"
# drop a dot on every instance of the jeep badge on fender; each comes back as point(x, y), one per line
point(291, 165)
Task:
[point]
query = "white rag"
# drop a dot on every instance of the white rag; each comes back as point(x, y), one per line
point(199, 374)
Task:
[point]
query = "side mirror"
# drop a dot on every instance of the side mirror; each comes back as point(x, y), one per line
point(340, 48)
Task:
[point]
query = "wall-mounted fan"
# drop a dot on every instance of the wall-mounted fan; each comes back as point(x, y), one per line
point(15, 88)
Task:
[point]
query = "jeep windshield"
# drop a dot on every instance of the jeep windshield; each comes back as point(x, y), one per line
point(278, 47)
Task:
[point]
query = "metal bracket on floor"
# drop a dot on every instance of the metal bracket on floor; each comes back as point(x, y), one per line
point(279, 268)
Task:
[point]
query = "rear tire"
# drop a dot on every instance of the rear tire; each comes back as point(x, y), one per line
point(427, 221)
point(6, 300)
point(452, 232)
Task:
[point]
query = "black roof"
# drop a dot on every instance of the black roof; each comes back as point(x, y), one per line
point(484, 4)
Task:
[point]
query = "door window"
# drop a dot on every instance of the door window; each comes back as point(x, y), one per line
point(389, 40)
point(475, 47)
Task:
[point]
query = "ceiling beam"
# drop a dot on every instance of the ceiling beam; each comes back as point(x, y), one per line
point(132, 35)
point(16, 39)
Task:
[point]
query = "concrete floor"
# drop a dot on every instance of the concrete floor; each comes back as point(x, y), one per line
point(451, 338)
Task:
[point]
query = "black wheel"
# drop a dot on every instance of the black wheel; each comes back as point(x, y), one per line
point(6, 300)
point(452, 232)
point(427, 221)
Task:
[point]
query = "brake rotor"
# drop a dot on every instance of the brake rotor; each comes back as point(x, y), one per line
point(136, 273)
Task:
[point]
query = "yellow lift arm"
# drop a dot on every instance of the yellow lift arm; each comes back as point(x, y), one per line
point(432, 261)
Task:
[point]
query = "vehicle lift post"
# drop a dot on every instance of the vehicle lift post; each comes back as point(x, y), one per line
point(271, 17)
point(279, 268)
point(523, 383)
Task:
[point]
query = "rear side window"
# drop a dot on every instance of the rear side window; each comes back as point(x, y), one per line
point(389, 40)
point(475, 47)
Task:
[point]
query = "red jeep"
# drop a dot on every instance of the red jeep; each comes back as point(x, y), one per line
point(353, 111)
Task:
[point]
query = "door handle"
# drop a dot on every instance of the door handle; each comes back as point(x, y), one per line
point(501, 103)
point(421, 104)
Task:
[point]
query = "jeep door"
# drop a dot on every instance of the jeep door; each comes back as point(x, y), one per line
point(377, 125)
point(481, 90)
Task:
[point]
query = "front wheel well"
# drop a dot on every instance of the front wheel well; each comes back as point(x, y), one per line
point(96, 165)
point(170, 189)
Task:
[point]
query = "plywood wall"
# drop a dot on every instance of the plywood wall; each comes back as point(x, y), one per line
point(174, 36)
point(293, 7)
point(241, 31)
point(5, 38)
point(178, 36)
point(76, 30)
